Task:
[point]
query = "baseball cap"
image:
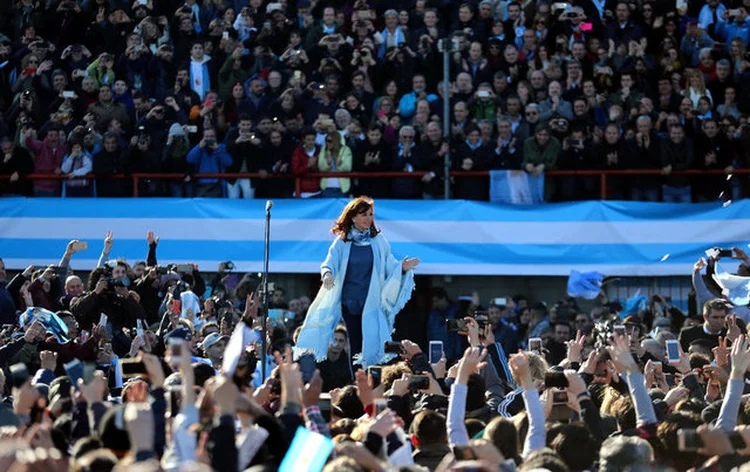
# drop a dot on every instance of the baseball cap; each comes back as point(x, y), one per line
point(212, 339)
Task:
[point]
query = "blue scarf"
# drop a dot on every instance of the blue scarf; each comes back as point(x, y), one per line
point(474, 147)
point(360, 238)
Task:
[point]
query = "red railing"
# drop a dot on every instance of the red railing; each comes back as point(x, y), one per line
point(602, 174)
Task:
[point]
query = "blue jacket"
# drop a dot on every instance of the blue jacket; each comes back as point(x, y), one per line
point(729, 31)
point(209, 162)
point(7, 306)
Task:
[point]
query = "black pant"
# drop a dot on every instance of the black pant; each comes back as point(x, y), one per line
point(353, 323)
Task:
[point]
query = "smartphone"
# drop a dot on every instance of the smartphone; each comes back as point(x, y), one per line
point(535, 344)
point(559, 398)
point(273, 6)
point(500, 301)
point(732, 12)
point(555, 379)
point(175, 350)
point(620, 330)
point(671, 381)
point(103, 319)
point(142, 2)
point(139, 327)
point(456, 325)
point(192, 129)
point(375, 372)
point(20, 374)
point(725, 253)
point(307, 367)
point(419, 382)
point(74, 370)
point(68, 94)
point(393, 347)
point(587, 26)
point(29, 71)
point(177, 307)
point(88, 372)
point(673, 351)
point(690, 440)
point(297, 74)
point(380, 405)
point(132, 368)
point(225, 35)
point(436, 351)
point(187, 268)
point(483, 94)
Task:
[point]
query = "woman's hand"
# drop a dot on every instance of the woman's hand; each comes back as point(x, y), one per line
point(409, 264)
point(328, 281)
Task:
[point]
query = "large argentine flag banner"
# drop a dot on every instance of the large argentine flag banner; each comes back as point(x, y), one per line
point(450, 237)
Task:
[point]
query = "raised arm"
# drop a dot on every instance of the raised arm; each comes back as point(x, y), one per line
point(104, 257)
point(624, 362)
point(470, 363)
point(536, 436)
point(152, 243)
point(730, 407)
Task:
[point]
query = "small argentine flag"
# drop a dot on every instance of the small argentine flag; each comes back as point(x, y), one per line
point(516, 187)
point(309, 451)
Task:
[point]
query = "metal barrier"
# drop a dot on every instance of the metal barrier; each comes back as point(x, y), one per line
point(602, 174)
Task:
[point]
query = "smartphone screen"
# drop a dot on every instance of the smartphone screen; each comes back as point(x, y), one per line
point(587, 26)
point(619, 330)
point(307, 367)
point(74, 370)
point(177, 307)
point(535, 344)
point(673, 351)
point(436, 351)
point(376, 374)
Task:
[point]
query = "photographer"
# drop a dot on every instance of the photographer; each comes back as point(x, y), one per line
point(108, 293)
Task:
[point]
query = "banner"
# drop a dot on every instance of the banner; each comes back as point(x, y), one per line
point(450, 237)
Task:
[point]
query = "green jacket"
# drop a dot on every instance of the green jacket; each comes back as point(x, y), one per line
point(228, 75)
point(535, 154)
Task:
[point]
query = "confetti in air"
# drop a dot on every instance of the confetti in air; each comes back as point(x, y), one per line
point(729, 176)
point(727, 203)
point(666, 256)
point(721, 195)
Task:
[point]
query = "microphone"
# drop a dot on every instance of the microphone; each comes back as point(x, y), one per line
point(269, 205)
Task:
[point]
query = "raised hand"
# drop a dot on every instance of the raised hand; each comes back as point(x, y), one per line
point(721, 352)
point(619, 351)
point(328, 281)
point(108, 242)
point(519, 367)
point(740, 356)
point(733, 330)
point(575, 347)
point(151, 239)
point(409, 264)
point(470, 363)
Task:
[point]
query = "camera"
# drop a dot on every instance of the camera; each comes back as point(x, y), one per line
point(112, 281)
point(229, 265)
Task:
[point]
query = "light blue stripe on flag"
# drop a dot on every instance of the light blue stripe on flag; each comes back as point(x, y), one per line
point(308, 452)
point(516, 187)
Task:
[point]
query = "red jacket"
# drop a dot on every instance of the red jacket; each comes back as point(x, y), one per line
point(300, 167)
point(46, 161)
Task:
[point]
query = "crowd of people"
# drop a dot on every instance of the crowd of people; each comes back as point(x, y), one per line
point(99, 88)
point(136, 368)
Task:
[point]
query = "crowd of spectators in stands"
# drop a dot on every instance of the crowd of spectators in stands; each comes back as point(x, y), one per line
point(586, 397)
point(115, 87)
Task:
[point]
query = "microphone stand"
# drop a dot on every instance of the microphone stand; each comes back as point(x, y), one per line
point(266, 243)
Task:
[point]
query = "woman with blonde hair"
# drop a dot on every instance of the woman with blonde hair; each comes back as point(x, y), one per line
point(697, 87)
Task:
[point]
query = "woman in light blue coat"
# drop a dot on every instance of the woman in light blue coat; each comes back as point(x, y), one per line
point(363, 283)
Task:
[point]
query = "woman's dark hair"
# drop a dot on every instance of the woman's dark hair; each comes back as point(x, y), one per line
point(345, 221)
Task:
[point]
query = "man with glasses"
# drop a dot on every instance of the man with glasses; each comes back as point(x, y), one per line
point(528, 123)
